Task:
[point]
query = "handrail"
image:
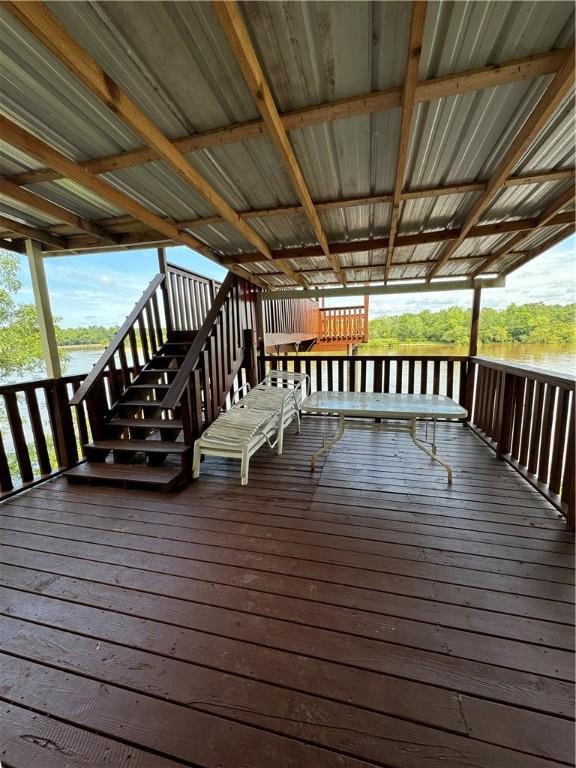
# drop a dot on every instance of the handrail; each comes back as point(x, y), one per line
point(113, 346)
point(557, 378)
point(181, 379)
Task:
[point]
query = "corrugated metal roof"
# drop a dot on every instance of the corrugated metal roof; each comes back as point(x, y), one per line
point(175, 63)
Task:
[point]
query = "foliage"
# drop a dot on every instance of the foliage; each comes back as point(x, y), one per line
point(20, 348)
point(527, 324)
point(91, 334)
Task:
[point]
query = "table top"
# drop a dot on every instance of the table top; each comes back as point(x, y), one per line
point(376, 405)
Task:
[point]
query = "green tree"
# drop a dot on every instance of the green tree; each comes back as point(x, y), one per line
point(535, 323)
point(20, 348)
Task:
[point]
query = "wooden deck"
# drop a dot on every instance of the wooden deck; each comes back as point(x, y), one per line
point(363, 615)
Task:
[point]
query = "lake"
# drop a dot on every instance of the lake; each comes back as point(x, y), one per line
point(553, 357)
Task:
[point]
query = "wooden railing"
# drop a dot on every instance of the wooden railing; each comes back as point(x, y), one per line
point(290, 321)
point(224, 344)
point(39, 433)
point(189, 297)
point(343, 324)
point(527, 416)
point(137, 340)
point(413, 374)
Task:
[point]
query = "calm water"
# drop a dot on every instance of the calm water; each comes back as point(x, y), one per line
point(552, 357)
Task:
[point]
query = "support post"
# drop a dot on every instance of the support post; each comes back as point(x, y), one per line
point(366, 305)
point(260, 335)
point(42, 301)
point(473, 346)
point(251, 357)
point(161, 260)
point(162, 268)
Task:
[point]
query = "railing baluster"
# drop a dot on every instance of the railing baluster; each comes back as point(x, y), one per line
point(18, 438)
point(6, 484)
point(536, 427)
point(38, 432)
point(559, 440)
point(528, 423)
point(399, 375)
point(143, 338)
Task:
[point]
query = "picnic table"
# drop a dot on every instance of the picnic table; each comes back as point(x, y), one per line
point(351, 406)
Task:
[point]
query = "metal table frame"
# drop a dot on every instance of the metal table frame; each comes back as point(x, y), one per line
point(441, 407)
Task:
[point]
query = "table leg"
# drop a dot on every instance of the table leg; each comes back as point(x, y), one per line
point(327, 444)
point(432, 453)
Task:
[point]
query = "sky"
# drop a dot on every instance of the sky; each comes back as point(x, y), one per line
point(101, 289)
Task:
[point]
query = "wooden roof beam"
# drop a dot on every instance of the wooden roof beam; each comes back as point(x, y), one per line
point(230, 17)
point(121, 225)
point(32, 200)
point(428, 90)
point(549, 243)
point(16, 136)
point(561, 84)
point(48, 30)
point(515, 242)
point(422, 238)
point(408, 96)
point(32, 233)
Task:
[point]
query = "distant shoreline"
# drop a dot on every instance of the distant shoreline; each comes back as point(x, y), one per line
point(82, 346)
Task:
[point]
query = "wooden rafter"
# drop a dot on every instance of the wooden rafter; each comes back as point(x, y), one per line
point(427, 90)
point(87, 243)
point(32, 233)
point(38, 203)
point(421, 238)
point(121, 225)
point(551, 99)
point(515, 242)
point(408, 96)
point(48, 30)
point(17, 137)
point(230, 17)
point(524, 258)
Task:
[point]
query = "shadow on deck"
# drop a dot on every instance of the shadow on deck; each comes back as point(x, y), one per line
point(362, 615)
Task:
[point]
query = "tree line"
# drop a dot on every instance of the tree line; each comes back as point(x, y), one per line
point(525, 324)
point(89, 334)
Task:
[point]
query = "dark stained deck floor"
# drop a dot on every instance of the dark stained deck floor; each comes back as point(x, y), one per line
point(363, 615)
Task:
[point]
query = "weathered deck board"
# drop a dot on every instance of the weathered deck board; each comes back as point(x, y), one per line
point(361, 615)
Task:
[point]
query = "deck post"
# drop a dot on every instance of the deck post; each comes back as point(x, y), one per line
point(366, 305)
point(163, 269)
point(260, 335)
point(251, 357)
point(42, 301)
point(473, 346)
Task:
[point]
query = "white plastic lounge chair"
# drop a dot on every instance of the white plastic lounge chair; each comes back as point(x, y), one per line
point(261, 416)
point(281, 390)
point(236, 434)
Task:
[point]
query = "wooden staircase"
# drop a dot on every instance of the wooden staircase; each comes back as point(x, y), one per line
point(145, 417)
point(138, 434)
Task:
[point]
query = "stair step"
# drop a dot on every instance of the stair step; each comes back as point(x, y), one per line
point(162, 477)
point(140, 403)
point(147, 386)
point(158, 370)
point(145, 446)
point(146, 423)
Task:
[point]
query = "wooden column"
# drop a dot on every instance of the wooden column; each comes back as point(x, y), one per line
point(42, 301)
point(162, 268)
point(366, 305)
point(473, 346)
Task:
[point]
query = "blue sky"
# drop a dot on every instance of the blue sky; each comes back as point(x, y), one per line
point(101, 289)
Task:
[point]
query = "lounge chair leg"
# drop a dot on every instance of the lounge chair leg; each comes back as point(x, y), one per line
point(244, 467)
point(196, 462)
